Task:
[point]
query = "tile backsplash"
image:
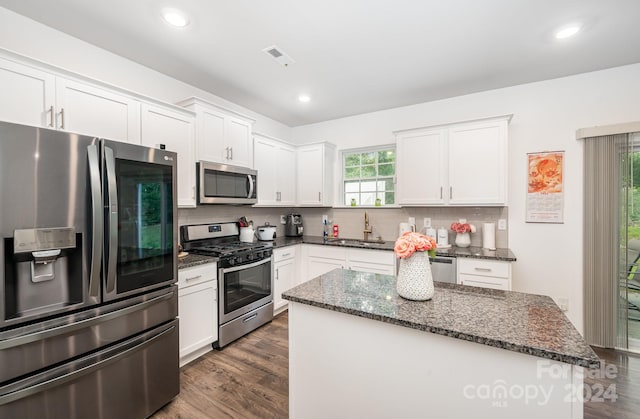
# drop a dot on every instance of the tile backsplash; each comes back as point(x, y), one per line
point(384, 221)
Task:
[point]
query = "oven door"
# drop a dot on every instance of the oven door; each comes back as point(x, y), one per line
point(141, 219)
point(244, 288)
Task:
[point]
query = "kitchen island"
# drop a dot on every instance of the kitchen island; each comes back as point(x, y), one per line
point(357, 349)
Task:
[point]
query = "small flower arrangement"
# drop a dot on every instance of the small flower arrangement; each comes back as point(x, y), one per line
point(463, 228)
point(411, 242)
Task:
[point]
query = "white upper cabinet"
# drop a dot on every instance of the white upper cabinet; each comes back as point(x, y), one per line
point(91, 110)
point(315, 174)
point(275, 162)
point(175, 128)
point(222, 136)
point(35, 97)
point(459, 164)
point(421, 167)
point(478, 163)
point(28, 95)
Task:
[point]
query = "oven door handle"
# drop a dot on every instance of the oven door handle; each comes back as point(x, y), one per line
point(241, 267)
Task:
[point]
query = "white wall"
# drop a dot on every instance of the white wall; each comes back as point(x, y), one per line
point(545, 117)
point(35, 40)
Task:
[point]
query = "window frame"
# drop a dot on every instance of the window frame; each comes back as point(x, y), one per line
point(384, 147)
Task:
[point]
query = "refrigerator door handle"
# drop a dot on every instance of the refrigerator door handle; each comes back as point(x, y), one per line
point(112, 208)
point(97, 220)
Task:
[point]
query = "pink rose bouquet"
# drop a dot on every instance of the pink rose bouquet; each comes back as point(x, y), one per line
point(411, 242)
point(463, 228)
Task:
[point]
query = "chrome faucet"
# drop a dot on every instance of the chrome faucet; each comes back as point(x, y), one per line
point(367, 228)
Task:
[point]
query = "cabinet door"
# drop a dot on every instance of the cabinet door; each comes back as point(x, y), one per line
point(238, 135)
point(211, 136)
point(27, 95)
point(286, 175)
point(91, 110)
point(477, 163)
point(198, 312)
point(176, 131)
point(421, 167)
point(265, 161)
point(310, 175)
point(284, 277)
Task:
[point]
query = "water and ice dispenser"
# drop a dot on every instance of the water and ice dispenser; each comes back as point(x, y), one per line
point(43, 272)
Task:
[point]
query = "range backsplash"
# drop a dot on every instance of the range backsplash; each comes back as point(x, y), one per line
point(384, 221)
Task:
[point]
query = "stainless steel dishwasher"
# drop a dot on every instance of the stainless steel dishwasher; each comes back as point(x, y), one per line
point(443, 268)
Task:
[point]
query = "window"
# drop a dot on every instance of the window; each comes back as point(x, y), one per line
point(368, 175)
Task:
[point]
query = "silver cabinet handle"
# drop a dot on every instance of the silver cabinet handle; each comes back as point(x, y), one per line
point(192, 278)
point(193, 192)
point(227, 151)
point(319, 196)
point(231, 149)
point(62, 118)
point(52, 116)
point(440, 192)
point(112, 209)
point(96, 219)
point(277, 274)
point(286, 255)
point(483, 269)
point(450, 192)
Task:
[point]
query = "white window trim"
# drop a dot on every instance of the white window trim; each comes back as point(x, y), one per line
point(363, 150)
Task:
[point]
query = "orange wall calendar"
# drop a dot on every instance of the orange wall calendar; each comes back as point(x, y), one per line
point(545, 187)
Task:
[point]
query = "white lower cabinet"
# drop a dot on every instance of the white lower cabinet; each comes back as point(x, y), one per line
point(197, 310)
point(322, 259)
point(284, 274)
point(484, 273)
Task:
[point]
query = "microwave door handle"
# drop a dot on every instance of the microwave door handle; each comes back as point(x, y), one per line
point(112, 208)
point(97, 220)
point(251, 186)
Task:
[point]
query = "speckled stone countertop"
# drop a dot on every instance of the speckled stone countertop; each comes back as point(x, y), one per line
point(453, 251)
point(514, 321)
point(192, 260)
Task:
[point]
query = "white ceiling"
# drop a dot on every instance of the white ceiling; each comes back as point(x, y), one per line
point(352, 56)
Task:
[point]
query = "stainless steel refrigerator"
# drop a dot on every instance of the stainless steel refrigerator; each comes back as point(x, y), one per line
point(88, 301)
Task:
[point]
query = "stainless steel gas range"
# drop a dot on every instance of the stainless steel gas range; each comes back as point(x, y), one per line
point(245, 280)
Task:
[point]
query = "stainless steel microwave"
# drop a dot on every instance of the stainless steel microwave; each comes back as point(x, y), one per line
point(226, 184)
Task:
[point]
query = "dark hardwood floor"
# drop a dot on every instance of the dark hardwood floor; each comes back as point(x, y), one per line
point(250, 379)
point(625, 382)
point(247, 379)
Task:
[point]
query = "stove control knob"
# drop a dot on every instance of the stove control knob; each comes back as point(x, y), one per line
point(239, 259)
point(232, 261)
point(250, 256)
point(259, 254)
point(267, 253)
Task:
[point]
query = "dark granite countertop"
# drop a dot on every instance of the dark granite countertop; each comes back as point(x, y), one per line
point(514, 321)
point(194, 260)
point(453, 251)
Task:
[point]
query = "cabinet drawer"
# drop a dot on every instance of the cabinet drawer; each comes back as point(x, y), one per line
point(197, 275)
point(485, 282)
point(328, 252)
point(284, 254)
point(378, 257)
point(483, 267)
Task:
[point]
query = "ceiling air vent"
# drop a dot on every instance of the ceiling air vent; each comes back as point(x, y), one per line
point(279, 55)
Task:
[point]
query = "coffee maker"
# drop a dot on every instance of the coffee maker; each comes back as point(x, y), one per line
point(293, 226)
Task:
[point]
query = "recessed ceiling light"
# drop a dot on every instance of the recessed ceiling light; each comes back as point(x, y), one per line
point(175, 18)
point(304, 98)
point(567, 32)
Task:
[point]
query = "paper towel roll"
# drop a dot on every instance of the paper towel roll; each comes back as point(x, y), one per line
point(489, 236)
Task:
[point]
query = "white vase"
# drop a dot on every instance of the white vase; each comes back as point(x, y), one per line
point(463, 240)
point(415, 281)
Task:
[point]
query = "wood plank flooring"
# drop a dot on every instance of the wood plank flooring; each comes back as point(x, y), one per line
point(247, 379)
point(250, 379)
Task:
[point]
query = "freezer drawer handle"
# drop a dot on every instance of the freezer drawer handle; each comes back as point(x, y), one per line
point(67, 328)
point(139, 342)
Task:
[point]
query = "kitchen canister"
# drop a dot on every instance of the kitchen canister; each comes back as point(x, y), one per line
point(489, 236)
